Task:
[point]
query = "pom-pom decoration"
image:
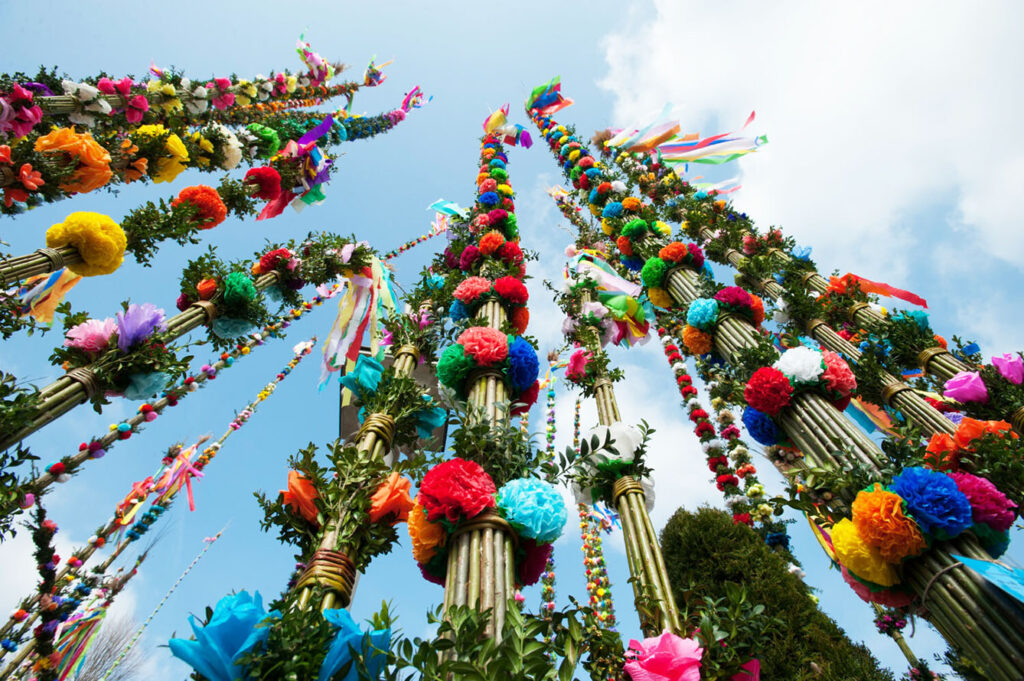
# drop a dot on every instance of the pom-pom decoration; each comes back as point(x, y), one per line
point(534, 507)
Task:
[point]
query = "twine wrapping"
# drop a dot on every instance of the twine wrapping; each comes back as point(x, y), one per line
point(332, 570)
point(624, 486)
point(857, 307)
point(55, 257)
point(488, 519)
point(87, 378)
point(380, 424)
point(890, 391)
point(927, 355)
point(208, 308)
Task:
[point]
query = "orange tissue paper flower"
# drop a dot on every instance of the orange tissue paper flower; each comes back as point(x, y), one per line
point(880, 521)
point(210, 208)
point(491, 242)
point(300, 496)
point(93, 160)
point(391, 499)
point(426, 536)
point(631, 203)
point(696, 341)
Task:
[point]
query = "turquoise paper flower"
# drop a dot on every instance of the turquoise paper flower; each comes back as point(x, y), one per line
point(534, 507)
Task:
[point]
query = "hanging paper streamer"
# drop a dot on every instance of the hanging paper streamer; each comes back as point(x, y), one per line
point(414, 99)
point(40, 295)
point(631, 315)
point(647, 138)
point(497, 124)
point(547, 98)
point(314, 174)
point(714, 150)
point(448, 208)
point(77, 635)
point(368, 297)
point(841, 284)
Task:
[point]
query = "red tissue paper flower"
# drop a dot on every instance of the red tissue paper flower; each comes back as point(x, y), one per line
point(519, 318)
point(526, 399)
point(271, 259)
point(532, 566)
point(210, 207)
point(768, 391)
point(511, 253)
point(456, 489)
point(267, 180)
point(485, 345)
point(512, 290)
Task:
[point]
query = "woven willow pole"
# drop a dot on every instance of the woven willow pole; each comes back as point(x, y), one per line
point(330, 567)
point(895, 393)
point(40, 261)
point(968, 611)
point(643, 550)
point(79, 385)
point(481, 561)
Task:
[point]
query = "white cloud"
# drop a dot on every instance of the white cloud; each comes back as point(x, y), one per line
point(874, 111)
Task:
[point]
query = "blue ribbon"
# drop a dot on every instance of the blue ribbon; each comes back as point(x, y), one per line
point(971, 349)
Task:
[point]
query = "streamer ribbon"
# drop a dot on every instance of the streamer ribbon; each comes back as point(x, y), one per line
point(547, 98)
point(842, 284)
point(714, 150)
point(497, 124)
point(363, 379)
point(40, 295)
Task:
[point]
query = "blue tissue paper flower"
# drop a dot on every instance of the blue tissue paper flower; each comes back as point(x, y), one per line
point(229, 327)
point(488, 198)
point(593, 196)
point(801, 253)
point(593, 172)
point(457, 311)
point(233, 631)
point(612, 210)
point(350, 637)
point(524, 366)
point(435, 281)
point(496, 163)
point(633, 263)
point(534, 507)
point(918, 316)
point(145, 385)
point(934, 500)
point(703, 313)
point(761, 427)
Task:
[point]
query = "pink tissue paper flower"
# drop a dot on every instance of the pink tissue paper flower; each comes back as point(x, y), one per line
point(1010, 367)
point(92, 335)
point(487, 346)
point(664, 658)
point(966, 386)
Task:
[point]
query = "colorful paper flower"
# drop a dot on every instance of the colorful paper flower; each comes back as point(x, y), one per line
point(210, 208)
point(768, 391)
point(837, 375)
point(511, 290)
point(576, 369)
point(891, 598)
point(534, 507)
point(696, 341)
point(99, 240)
point(1010, 367)
point(300, 497)
point(392, 500)
point(485, 345)
point(456, 489)
point(702, 314)
point(666, 657)
point(453, 367)
point(859, 557)
point(266, 180)
point(966, 386)
point(535, 559)
point(523, 363)
point(734, 297)
point(136, 324)
point(879, 518)
point(92, 159)
point(233, 630)
point(372, 646)
point(470, 289)
point(92, 335)
point(426, 537)
point(801, 364)
point(988, 504)
point(934, 501)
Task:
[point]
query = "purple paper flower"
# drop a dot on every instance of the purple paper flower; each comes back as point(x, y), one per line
point(966, 386)
point(137, 324)
point(1010, 367)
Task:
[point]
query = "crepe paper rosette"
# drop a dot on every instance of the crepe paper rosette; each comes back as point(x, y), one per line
point(771, 389)
point(458, 490)
point(892, 524)
point(481, 347)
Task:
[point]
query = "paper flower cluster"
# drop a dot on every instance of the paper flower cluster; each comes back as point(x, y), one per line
point(458, 490)
point(703, 313)
point(472, 292)
point(890, 525)
point(675, 254)
point(480, 347)
point(770, 389)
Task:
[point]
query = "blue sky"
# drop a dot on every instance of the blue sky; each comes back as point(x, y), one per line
point(887, 155)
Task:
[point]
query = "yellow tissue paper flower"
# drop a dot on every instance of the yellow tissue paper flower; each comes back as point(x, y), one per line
point(659, 297)
point(99, 240)
point(859, 558)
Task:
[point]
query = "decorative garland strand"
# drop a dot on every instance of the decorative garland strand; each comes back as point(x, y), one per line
point(142, 628)
point(547, 589)
point(177, 470)
point(599, 585)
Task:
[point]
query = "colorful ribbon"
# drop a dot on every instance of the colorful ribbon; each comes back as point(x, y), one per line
point(841, 285)
point(41, 294)
point(547, 98)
